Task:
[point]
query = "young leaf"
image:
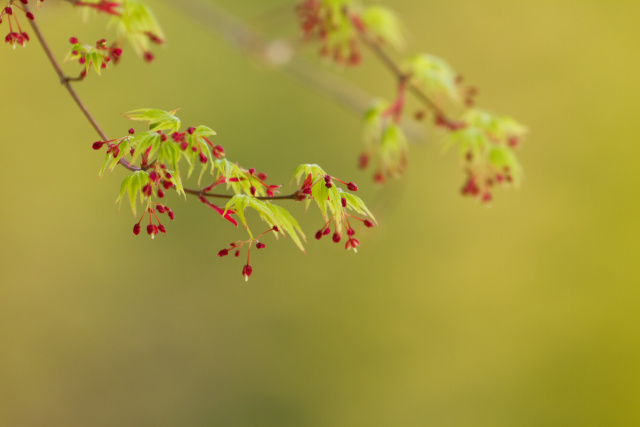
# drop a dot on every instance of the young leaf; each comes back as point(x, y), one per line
point(158, 119)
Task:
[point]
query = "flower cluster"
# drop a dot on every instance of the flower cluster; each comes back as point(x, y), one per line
point(236, 248)
point(334, 204)
point(326, 22)
point(97, 56)
point(486, 144)
point(16, 36)
point(133, 20)
point(153, 211)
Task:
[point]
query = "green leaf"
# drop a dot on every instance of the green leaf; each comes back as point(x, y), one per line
point(355, 203)
point(136, 22)
point(434, 74)
point(133, 185)
point(287, 223)
point(157, 119)
point(384, 24)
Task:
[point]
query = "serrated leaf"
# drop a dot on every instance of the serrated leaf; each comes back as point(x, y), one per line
point(157, 119)
point(384, 24)
point(434, 74)
point(355, 203)
point(132, 185)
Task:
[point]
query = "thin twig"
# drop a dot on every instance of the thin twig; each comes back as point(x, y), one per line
point(280, 54)
point(66, 82)
point(390, 64)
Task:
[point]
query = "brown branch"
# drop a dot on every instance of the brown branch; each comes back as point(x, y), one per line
point(66, 82)
point(395, 69)
point(293, 196)
point(279, 54)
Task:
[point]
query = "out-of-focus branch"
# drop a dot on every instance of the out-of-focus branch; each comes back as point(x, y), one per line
point(280, 54)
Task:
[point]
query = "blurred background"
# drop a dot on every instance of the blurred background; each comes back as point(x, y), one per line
point(523, 313)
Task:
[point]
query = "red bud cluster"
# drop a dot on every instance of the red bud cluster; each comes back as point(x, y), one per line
point(15, 36)
point(153, 228)
point(317, 21)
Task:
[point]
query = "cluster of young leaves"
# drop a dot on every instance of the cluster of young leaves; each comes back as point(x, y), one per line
point(337, 31)
point(133, 21)
point(486, 141)
point(97, 56)
point(334, 203)
point(156, 157)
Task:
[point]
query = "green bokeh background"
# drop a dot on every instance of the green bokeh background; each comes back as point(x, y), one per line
point(451, 314)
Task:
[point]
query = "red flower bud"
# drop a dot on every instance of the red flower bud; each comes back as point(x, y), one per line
point(253, 190)
point(318, 234)
point(160, 209)
point(352, 187)
point(326, 231)
point(336, 237)
point(171, 215)
point(368, 223)
point(97, 145)
point(150, 229)
point(30, 16)
point(203, 157)
point(161, 228)
point(275, 228)
point(136, 229)
point(223, 252)
point(260, 245)
point(363, 161)
point(246, 272)
point(191, 130)
point(343, 201)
